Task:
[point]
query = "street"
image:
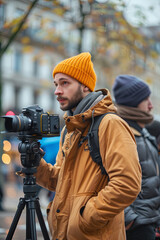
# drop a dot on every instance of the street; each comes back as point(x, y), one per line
point(11, 201)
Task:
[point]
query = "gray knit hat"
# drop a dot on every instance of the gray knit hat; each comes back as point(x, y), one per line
point(129, 90)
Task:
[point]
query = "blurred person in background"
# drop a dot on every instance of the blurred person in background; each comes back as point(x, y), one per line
point(132, 97)
point(89, 205)
point(1, 198)
point(154, 129)
point(1, 188)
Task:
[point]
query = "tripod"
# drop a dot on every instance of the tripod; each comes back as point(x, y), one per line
point(30, 158)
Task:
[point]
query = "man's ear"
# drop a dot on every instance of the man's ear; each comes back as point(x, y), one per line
point(86, 89)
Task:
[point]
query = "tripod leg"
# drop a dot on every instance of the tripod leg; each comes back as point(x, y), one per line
point(28, 229)
point(31, 221)
point(16, 218)
point(41, 221)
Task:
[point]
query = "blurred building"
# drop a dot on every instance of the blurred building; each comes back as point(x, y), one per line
point(151, 65)
point(28, 63)
point(43, 41)
point(63, 30)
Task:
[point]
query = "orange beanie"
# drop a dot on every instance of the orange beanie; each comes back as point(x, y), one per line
point(79, 67)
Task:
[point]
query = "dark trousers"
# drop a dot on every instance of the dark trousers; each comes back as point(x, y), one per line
point(143, 232)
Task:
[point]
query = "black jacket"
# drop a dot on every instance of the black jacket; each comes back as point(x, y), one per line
point(146, 208)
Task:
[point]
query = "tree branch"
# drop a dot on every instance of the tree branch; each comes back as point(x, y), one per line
point(3, 49)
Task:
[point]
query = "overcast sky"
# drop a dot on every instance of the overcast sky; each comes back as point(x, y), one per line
point(153, 17)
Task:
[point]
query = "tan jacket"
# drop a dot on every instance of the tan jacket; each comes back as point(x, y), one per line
point(78, 180)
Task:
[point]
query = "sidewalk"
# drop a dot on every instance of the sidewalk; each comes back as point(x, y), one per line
point(11, 201)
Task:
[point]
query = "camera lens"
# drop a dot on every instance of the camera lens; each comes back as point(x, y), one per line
point(17, 123)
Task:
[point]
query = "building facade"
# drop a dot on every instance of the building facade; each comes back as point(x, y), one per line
point(48, 38)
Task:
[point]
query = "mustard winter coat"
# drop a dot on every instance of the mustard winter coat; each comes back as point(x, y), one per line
point(79, 183)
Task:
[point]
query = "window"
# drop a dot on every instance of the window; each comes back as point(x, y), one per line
point(18, 61)
point(17, 91)
point(2, 15)
point(35, 67)
point(36, 96)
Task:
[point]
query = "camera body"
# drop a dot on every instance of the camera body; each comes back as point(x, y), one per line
point(33, 122)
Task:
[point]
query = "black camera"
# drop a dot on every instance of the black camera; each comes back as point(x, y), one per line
point(34, 122)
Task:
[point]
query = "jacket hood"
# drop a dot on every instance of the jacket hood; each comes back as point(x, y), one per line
point(81, 120)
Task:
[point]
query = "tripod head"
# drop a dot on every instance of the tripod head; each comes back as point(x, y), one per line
point(31, 154)
point(30, 151)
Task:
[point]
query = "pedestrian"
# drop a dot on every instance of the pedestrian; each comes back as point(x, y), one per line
point(132, 96)
point(1, 198)
point(1, 190)
point(154, 129)
point(87, 203)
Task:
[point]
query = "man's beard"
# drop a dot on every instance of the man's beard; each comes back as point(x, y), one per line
point(74, 101)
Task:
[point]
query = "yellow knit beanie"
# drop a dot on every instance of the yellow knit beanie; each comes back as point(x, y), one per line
point(79, 67)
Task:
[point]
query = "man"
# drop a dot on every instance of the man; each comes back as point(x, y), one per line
point(132, 97)
point(88, 204)
point(154, 129)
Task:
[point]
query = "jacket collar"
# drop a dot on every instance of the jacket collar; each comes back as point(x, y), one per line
point(81, 120)
point(87, 102)
point(137, 130)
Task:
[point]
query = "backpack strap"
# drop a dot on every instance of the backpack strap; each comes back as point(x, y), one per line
point(93, 142)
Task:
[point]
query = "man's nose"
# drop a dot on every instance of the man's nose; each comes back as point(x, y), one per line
point(58, 90)
point(150, 105)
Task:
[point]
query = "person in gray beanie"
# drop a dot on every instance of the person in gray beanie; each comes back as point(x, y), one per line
point(132, 98)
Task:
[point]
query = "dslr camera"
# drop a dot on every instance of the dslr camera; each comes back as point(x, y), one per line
point(33, 122)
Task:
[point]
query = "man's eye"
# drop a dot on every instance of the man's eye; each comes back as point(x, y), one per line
point(64, 83)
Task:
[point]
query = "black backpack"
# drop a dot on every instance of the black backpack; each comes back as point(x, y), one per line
point(93, 141)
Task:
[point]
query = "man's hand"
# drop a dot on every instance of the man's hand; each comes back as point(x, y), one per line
point(129, 225)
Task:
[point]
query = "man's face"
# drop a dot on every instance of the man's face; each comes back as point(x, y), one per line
point(68, 90)
point(146, 105)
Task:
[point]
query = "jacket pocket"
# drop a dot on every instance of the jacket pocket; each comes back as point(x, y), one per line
point(85, 227)
point(51, 218)
point(78, 228)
